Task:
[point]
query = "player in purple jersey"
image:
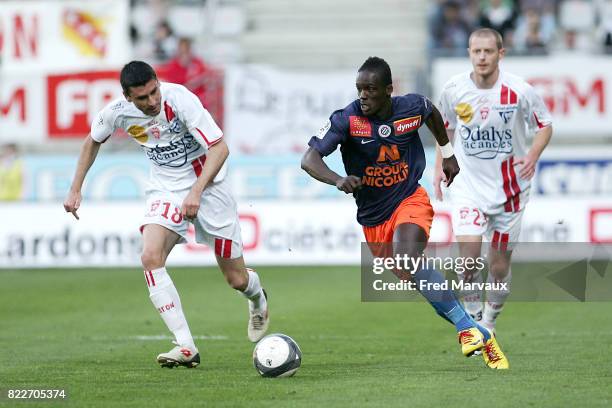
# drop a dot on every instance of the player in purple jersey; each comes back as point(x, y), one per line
point(384, 160)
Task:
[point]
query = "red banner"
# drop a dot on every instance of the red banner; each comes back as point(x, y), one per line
point(74, 99)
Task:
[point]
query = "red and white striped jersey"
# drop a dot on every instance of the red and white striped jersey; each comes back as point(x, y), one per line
point(175, 141)
point(491, 128)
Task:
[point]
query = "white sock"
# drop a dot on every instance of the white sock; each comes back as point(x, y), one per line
point(472, 299)
point(254, 292)
point(166, 300)
point(495, 300)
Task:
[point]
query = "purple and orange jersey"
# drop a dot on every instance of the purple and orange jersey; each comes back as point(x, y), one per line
point(387, 155)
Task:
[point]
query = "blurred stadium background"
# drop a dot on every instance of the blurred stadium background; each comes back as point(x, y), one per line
point(270, 72)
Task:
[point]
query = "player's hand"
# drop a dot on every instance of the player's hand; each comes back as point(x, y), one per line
point(191, 205)
point(439, 177)
point(349, 184)
point(72, 203)
point(450, 168)
point(528, 166)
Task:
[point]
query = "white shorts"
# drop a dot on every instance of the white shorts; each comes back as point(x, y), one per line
point(216, 224)
point(500, 228)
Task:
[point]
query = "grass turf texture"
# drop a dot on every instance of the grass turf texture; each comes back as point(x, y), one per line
point(78, 330)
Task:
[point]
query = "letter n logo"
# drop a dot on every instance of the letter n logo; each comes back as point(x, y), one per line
point(388, 153)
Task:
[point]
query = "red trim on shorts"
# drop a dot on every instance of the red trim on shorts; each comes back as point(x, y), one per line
point(223, 247)
point(500, 241)
point(495, 239)
point(218, 246)
point(504, 242)
point(227, 248)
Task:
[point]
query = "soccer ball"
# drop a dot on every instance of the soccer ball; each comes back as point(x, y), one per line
point(277, 355)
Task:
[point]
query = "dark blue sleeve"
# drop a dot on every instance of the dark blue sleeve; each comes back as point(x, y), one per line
point(419, 105)
point(332, 134)
point(427, 107)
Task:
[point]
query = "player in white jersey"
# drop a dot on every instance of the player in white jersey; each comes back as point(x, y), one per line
point(489, 114)
point(187, 154)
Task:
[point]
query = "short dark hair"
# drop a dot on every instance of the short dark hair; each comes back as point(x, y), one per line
point(379, 66)
point(136, 73)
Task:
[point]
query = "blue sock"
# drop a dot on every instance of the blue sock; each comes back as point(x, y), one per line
point(443, 300)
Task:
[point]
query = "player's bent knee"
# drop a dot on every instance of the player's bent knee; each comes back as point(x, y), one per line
point(151, 260)
point(237, 280)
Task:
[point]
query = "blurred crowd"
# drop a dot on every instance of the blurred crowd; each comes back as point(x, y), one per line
point(531, 27)
point(174, 53)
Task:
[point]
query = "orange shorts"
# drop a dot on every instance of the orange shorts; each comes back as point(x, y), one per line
point(415, 209)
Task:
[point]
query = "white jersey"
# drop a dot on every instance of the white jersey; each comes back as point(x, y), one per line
point(175, 141)
point(491, 127)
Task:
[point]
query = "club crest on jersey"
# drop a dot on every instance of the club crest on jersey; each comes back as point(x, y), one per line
point(484, 113)
point(506, 115)
point(407, 125)
point(155, 132)
point(384, 131)
point(360, 126)
point(465, 112)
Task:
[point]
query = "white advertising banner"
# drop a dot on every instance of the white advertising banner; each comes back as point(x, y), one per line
point(48, 35)
point(22, 108)
point(274, 111)
point(36, 106)
point(576, 89)
point(274, 232)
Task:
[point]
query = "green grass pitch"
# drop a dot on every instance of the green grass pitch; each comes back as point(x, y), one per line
point(93, 332)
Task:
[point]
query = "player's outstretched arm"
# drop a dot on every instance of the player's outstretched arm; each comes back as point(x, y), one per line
point(215, 157)
point(450, 167)
point(528, 163)
point(88, 154)
point(313, 164)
